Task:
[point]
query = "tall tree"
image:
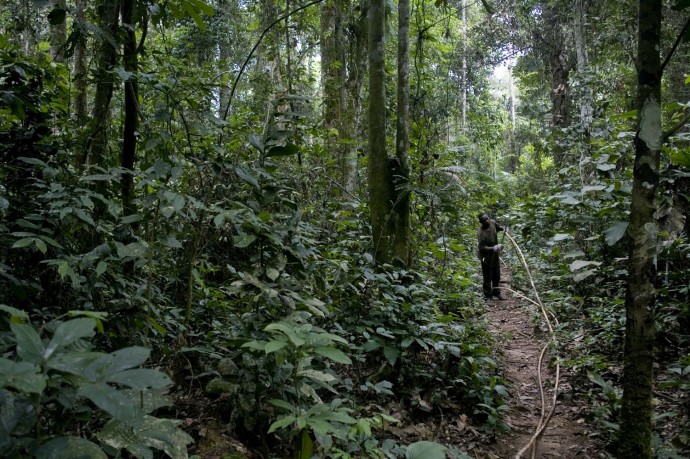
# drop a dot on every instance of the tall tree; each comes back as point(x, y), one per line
point(401, 176)
point(131, 96)
point(80, 70)
point(333, 79)
point(636, 412)
point(380, 180)
point(580, 36)
point(108, 20)
point(58, 30)
point(558, 68)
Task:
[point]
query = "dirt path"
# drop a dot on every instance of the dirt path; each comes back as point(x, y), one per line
point(519, 342)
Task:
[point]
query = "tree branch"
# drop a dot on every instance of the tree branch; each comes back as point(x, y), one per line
point(256, 45)
point(675, 45)
point(678, 126)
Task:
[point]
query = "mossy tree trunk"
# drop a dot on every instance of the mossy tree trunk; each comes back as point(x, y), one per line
point(378, 168)
point(131, 96)
point(636, 413)
point(401, 176)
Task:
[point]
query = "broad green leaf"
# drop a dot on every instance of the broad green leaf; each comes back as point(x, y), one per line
point(570, 201)
point(272, 273)
point(41, 245)
point(141, 378)
point(74, 363)
point(25, 242)
point(255, 345)
point(129, 219)
point(51, 241)
point(109, 399)
point(125, 358)
point(190, 8)
point(23, 376)
point(579, 277)
point(246, 176)
point(100, 268)
point(274, 346)
point(34, 161)
point(334, 354)
point(391, 353)
point(17, 416)
point(615, 232)
point(578, 264)
point(69, 332)
point(338, 416)
point(29, 345)
point(243, 240)
point(317, 375)
point(283, 404)
point(255, 141)
point(160, 167)
point(161, 434)
point(281, 423)
point(147, 400)
point(70, 448)
point(158, 327)
point(681, 158)
point(561, 237)
point(425, 450)
point(288, 330)
point(306, 445)
point(14, 312)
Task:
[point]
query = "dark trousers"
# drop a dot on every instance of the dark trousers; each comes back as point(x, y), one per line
point(491, 276)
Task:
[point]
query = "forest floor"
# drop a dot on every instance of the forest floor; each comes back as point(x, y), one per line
point(520, 334)
point(519, 339)
point(519, 342)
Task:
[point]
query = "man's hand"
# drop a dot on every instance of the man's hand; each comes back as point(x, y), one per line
point(498, 248)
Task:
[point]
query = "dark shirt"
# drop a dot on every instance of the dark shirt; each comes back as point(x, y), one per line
point(487, 239)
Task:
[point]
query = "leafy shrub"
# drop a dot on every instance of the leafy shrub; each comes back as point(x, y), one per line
point(58, 395)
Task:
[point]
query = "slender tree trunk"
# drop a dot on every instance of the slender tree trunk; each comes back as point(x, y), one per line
point(58, 34)
point(131, 123)
point(558, 68)
point(587, 97)
point(357, 68)
point(380, 180)
point(638, 370)
point(401, 177)
point(97, 145)
point(80, 71)
point(514, 159)
point(464, 65)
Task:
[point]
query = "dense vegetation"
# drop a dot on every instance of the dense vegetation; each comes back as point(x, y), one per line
point(188, 231)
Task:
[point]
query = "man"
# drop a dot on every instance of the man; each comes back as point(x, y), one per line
point(488, 250)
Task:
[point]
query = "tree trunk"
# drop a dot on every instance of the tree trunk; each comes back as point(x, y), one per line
point(514, 151)
point(587, 97)
point(401, 177)
point(131, 123)
point(380, 180)
point(97, 145)
point(636, 412)
point(464, 66)
point(80, 62)
point(557, 66)
point(357, 68)
point(58, 34)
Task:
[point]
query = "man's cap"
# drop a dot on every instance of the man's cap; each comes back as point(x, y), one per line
point(483, 216)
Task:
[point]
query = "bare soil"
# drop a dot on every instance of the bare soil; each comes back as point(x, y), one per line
point(521, 334)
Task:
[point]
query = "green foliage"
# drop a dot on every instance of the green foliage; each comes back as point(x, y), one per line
point(47, 385)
